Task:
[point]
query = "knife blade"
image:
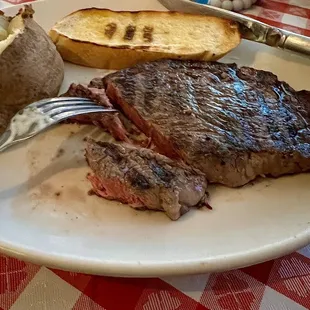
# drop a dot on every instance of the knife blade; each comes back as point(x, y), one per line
point(250, 28)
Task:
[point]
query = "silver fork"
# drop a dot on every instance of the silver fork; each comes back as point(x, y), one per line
point(42, 114)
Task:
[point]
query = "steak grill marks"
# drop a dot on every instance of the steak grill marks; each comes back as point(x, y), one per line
point(231, 123)
point(144, 179)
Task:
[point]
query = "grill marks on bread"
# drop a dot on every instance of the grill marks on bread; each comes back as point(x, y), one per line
point(110, 29)
point(129, 32)
point(148, 34)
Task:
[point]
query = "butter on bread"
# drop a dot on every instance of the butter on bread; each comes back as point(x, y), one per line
point(102, 38)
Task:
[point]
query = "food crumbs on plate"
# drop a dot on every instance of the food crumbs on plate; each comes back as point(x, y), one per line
point(60, 152)
point(208, 206)
point(204, 204)
point(91, 193)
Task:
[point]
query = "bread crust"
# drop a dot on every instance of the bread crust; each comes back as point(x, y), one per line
point(101, 51)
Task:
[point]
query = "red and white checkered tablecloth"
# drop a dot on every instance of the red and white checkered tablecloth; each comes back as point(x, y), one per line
point(292, 15)
point(280, 284)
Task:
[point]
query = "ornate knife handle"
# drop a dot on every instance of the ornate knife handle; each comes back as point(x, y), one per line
point(297, 43)
point(288, 41)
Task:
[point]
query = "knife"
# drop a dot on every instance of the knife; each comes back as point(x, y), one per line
point(250, 28)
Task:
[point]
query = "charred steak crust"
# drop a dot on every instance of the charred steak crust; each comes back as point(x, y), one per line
point(143, 178)
point(232, 123)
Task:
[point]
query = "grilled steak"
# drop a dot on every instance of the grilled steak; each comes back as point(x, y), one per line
point(116, 124)
point(231, 123)
point(109, 122)
point(144, 179)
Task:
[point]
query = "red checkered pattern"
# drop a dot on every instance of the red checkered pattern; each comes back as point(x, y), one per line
point(280, 284)
point(283, 283)
point(292, 15)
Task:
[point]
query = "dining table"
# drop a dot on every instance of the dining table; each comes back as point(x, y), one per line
point(282, 283)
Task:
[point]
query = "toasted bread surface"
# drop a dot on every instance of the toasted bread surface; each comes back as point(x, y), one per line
point(108, 39)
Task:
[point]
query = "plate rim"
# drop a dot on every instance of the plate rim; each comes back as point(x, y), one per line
point(166, 268)
point(151, 268)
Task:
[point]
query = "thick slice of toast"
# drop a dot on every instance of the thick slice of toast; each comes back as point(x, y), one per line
point(107, 39)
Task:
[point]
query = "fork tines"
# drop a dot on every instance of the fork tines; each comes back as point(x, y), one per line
point(64, 107)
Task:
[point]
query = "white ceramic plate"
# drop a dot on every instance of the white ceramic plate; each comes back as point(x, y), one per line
point(74, 231)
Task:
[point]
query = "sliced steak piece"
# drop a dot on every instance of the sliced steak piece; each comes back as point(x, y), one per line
point(144, 179)
point(116, 124)
point(232, 123)
point(109, 122)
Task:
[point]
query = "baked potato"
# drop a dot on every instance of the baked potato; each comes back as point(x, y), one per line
point(30, 66)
